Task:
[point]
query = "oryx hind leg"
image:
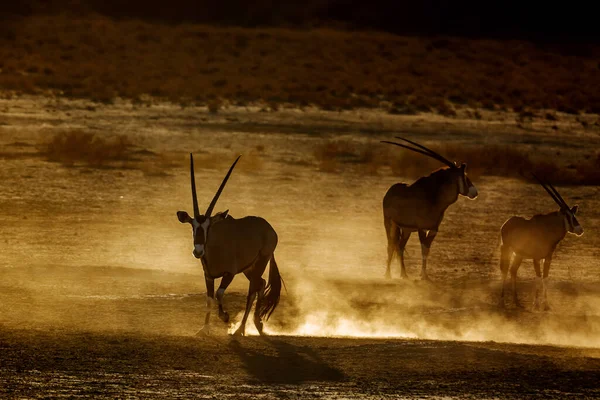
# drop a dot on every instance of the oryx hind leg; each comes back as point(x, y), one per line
point(505, 254)
point(513, 276)
point(393, 235)
point(547, 262)
point(225, 282)
point(404, 236)
point(538, 284)
point(426, 238)
point(256, 287)
point(210, 298)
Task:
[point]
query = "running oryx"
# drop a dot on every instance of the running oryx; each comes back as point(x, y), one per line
point(227, 246)
point(420, 206)
point(536, 238)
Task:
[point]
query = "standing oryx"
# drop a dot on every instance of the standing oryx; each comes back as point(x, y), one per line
point(228, 246)
point(536, 238)
point(420, 206)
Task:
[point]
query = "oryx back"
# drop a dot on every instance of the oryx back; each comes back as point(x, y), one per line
point(233, 245)
point(536, 237)
point(422, 204)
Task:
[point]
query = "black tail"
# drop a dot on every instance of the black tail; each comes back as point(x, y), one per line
point(272, 291)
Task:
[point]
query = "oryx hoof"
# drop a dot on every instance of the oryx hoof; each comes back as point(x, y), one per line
point(240, 332)
point(205, 331)
point(388, 275)
point(224, 316)
point(404, 275)
point(546, 307)
point(426, 278)
point(536, 306)
point(501, 304)
point(259, 327)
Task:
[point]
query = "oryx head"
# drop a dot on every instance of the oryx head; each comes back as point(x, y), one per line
point(568, 213)
point(459, 172)
point(201, 223)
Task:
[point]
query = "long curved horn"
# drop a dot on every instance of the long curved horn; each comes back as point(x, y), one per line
point(410, 148)
point(558, 194)
point(558, 200)
point(214, 200)
point(194, 196)
point(432, 153)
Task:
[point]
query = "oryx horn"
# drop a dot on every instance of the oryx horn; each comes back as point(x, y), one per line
point(553, 193)
point(425, 151)
point(194, 195)
point(214, 200)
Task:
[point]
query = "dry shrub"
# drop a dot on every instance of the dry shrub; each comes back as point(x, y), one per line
point(491, 160)
point(78, 146)
point(345, 70)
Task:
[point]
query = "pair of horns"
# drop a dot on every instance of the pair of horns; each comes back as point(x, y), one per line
point(552, 192)
point(422, 150)
point(214, 200)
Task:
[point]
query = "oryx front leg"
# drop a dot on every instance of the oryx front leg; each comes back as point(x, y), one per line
point(210, 298)
point(545, 279)
point(425, 238)
point(225, 282)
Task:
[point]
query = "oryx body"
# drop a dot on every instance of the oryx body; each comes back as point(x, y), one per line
point(535, 238)
point(420, 206)
point(229, 246)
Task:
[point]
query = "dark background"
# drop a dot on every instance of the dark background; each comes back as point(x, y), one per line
point(530, 20)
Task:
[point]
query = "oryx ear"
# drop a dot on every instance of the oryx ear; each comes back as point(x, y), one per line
point(221, 215)
point(463, 166)
point(574, 209)
point(184, 217)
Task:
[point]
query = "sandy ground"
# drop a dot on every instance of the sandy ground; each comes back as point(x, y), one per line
point(100, 296)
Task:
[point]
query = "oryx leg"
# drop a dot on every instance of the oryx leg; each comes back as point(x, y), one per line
point(538, 284)
point(257, 286)
point(513, 276)
point(547, 262)
point(210, 298)
point(505, 254)
point(425, 238)
point(225, 282)
point(404, 236)
point(393, 235)
point(259, 269)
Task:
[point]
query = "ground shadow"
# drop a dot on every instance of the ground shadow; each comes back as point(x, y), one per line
point(283, 362)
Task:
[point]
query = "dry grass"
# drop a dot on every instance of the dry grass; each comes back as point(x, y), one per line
point(76, 147)
point(100, 58)
point(494, 160)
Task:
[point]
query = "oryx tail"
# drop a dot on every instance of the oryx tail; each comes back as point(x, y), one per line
point(272, 291)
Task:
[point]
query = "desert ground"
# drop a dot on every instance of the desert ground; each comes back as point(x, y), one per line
point(100, 295)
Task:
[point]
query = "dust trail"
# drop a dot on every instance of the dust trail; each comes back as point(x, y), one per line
point(323, 307)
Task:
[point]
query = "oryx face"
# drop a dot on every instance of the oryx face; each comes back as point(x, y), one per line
point(571, 222)
point(202, 222)
point(465, 186)
point(200, 226)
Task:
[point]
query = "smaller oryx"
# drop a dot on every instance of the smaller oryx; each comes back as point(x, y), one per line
point(535, 238)
point(421, 205)
point(227, 246)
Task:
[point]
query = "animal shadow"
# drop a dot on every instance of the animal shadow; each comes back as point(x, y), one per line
point(282, 362)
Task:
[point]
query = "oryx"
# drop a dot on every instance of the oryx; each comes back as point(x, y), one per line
point(420, 206)
point(536, 238)
point(227, 246)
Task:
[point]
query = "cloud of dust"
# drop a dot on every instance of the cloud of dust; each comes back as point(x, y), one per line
point(322, 306)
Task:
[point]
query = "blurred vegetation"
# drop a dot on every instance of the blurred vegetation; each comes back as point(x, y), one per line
point(492, 160)
point(102, 58)
point(80, 147)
